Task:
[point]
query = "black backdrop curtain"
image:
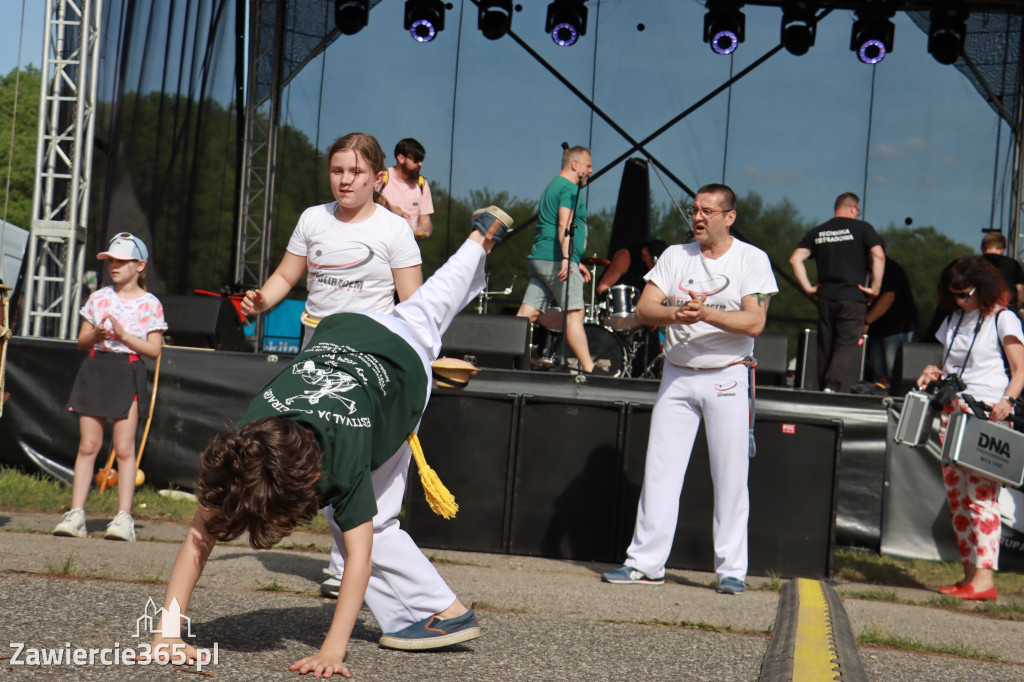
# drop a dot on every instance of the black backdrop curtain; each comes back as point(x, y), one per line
point(168, 137)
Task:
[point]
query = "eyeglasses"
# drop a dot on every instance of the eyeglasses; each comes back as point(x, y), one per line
point(694, 211)
point(963, 295)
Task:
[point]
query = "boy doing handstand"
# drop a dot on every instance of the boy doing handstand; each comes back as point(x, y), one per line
point(330, 430)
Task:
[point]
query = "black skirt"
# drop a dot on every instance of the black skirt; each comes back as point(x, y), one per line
point(107, 384)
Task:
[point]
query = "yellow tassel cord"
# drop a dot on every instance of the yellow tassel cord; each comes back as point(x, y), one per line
point(440, 500)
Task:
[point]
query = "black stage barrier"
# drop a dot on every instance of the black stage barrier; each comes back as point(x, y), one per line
point(498, 341)
point(577, 468)
point(202, 392)
point(807, 362)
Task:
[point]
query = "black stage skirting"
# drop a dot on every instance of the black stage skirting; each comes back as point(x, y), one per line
point(539, 463)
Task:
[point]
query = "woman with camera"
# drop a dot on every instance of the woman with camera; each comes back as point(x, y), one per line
point(983, 344)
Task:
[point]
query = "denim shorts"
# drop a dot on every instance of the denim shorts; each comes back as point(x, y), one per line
point(545, 286)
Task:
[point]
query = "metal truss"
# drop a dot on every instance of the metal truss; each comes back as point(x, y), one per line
point(262, 115)
point(60, 198)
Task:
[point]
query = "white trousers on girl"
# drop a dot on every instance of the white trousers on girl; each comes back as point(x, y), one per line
point(686, 396)
point(404, 586)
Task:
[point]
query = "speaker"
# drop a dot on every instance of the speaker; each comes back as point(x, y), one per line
point(807, 362)
point(498, 341)
point(911, 358)
point(771, 352)
point(203, 322)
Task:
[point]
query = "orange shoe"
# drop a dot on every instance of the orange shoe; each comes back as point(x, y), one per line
point(967, 592)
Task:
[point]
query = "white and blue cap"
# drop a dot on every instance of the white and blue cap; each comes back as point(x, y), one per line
point(125, 246)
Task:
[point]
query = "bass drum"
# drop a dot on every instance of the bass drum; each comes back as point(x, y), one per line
point(606, 350)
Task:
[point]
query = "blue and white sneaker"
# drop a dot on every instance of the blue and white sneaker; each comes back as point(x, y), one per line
point(730, 585)
point(433, 632)
point(624, 575)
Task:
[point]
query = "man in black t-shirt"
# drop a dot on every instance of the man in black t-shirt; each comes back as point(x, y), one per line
point(891, 320)
point(851, 262)
point(993, 249)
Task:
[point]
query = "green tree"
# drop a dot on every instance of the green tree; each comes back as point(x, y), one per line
point(18, 156)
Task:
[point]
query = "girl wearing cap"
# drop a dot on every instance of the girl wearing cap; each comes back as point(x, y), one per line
point(120, 324)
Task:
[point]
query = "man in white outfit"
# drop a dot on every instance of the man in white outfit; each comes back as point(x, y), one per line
point(712, 295)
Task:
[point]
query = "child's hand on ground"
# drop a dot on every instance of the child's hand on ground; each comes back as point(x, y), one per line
point(322, 664)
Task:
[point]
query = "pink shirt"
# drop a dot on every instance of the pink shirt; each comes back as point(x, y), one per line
point(409, 197)
point(138, 316)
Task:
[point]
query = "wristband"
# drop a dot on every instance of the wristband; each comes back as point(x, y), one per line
point(1010, 399)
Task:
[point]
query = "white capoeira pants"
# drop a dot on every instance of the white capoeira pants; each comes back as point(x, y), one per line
point(686, 396)
point(404, 586)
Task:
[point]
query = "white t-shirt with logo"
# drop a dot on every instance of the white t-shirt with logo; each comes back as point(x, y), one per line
point(349, 264)
point(985, 375)
point(741, 271)
point(138, 316)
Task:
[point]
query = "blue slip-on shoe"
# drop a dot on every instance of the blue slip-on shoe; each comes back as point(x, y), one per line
point(433, 632)
point(730, 585)
point(624, 575)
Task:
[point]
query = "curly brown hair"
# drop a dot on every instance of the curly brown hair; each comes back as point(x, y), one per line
point(973, 272)
point(260, 479)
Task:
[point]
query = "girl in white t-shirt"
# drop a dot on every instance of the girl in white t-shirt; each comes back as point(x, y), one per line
point(357, 253)
point(976, 337)
point(120, 325)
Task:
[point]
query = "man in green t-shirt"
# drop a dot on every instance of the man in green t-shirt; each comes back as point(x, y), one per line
point(329, 430)
point(553, 259)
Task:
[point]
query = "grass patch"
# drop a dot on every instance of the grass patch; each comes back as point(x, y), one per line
point(871, 595)
point(860, 565)
point(34, 492)
point(305, 547)
point(68, 568)
point(945, 601)
point(773, 584)
point(148, 579)
point(434, 559)
point(692, 625)
point(272, 586)
point(1012, 610)
point(878, 636)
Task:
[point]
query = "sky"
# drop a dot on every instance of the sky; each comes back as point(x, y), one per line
point(910, 135)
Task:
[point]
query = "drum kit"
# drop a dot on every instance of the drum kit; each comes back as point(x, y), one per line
point(615, 337)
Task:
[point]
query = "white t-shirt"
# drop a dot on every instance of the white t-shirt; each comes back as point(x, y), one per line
point(741, 271)
point(985, 375)
point(349, 264)
point(139, 316)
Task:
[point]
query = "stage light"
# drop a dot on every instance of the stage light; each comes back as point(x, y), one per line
point(872, 33)
point(351, 15)
point(724, 25)
point(567, 21)
point(494, 18)
point(798, 25)
point(424, 19)
point(947, 32)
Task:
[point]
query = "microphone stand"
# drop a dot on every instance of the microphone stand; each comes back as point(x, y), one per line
point(571, 233)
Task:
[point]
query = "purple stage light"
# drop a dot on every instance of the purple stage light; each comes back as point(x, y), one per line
point(423, 31)
point(565, 34)
point(724, 42)
point(871, 51)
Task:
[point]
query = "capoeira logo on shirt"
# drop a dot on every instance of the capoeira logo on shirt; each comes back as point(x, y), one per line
point(350, 256)
point(331, 384)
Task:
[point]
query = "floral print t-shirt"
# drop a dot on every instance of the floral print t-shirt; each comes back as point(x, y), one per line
point(138, 316)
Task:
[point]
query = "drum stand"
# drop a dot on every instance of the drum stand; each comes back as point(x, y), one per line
point(485, 296)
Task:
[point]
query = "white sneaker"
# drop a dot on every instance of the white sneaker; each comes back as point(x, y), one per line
point(121, 528)
point(330, 587)
point(72, 524)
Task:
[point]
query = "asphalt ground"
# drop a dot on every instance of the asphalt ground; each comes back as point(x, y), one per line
point(542, 619)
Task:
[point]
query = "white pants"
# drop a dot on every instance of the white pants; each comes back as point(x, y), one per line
point(684, 398)
point(404, 586)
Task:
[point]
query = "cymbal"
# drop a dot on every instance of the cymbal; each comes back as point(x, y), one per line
point(595, 261)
